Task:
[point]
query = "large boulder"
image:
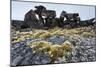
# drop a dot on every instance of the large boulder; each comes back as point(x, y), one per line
point(49, 18)
point(31, 19)
point(38, 11)
point(71, 19)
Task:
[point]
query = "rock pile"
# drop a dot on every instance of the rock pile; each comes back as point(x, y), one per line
point(41, 18)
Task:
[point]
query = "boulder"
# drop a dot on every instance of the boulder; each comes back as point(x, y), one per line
point(31, 19)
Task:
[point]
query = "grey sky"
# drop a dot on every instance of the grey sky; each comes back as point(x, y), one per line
point(20, 8)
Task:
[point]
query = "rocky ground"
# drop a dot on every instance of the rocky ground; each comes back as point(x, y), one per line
point(23, 51)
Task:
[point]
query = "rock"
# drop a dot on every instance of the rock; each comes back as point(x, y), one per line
point(23, 55)
point(31, 19)
point(16, 60)
point(89, 22)
point(84, 50)
point(41, 58)
point(18, 52)
point(60, 60)
point(56, 39)
point(17, 24)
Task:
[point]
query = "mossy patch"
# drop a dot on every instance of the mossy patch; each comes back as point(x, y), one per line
point(88, 34)
point(54, 50)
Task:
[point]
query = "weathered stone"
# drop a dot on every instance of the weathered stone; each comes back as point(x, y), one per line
point(31, 19)
point(56, 39)
point(16, 61)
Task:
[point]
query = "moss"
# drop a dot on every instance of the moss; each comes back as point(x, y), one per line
point(54, 50)
point(41, 45)
point(54, 29)
point(60, 50)
point(37, 34)
point(48, 33)
point(57, 32)
point(72, 31)
point(40, 33)
point(67, 46)
point(87, 34)
point(21, 36)
point(45, 35)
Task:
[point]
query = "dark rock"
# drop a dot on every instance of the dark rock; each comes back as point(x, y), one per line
point(56, 39)
point(38, 11)
point(31, 19)
point(17, 24)
point(71, 19)
point(88, 22)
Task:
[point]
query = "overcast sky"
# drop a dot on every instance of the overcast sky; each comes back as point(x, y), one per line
point(19, 9)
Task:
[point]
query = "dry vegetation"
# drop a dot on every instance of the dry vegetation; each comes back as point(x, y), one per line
point(54, 50)
point(40, 33)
